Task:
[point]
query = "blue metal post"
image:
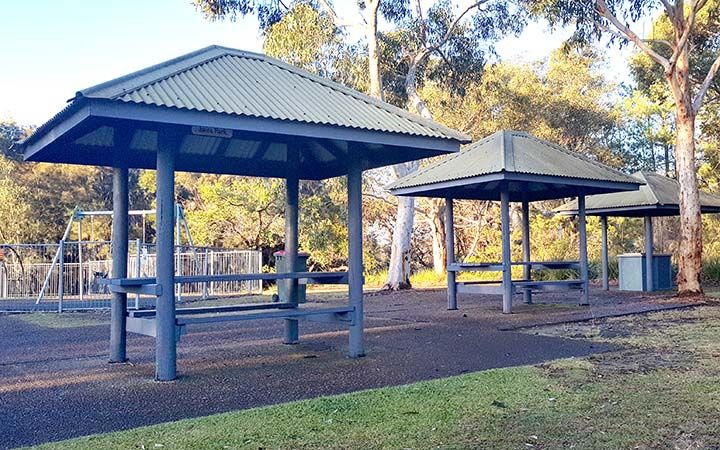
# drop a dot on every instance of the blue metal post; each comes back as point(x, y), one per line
point(582, 231)
point(604, 256)
point(119, 250)
point(649, 285)
point(165, 343)
point(292, 332)
point(506, 250)
point(527, 293)
point(450, 245)
point(355, 256)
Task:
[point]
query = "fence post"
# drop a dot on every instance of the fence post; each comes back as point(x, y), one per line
point(61, 275)
point(212, 271)
point(205, 272)
point(138, 272)
point(81, 278)
point(259, 270)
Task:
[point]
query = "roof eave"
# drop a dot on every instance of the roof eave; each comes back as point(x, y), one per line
point(86, 109)
point(418, 190)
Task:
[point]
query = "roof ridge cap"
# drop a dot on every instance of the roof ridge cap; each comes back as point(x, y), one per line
point(654, 198)
point(508, 152)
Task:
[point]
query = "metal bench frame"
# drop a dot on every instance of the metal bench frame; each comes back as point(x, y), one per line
point(508, 287)
point(144, 321)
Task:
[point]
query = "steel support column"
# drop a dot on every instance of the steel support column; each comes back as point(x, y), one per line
point(450, 246)
point(165, 342)
point(582, 231)
point(604, 253)
point(506, 250)
point(527, 293)
point(355, 257)
point(292, 183)
point(119, 250)
point(649, 285)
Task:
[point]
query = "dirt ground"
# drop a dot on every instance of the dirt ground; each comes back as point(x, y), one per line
point(55, 381)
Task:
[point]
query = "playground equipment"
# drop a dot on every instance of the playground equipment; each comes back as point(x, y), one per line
point(68, 275)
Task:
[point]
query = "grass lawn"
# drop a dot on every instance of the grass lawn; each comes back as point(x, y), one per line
point(660, 390)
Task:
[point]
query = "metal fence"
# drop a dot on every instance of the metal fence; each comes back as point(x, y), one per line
point(33, 278)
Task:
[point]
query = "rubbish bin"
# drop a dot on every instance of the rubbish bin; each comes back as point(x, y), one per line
point(631, 268)
point(284, 285)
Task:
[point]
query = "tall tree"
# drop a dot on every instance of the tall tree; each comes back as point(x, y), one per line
point(613, 18)
point(445, 43)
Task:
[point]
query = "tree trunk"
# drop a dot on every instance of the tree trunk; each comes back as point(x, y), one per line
point(690, 248)
point(373, 49)
point(437, 220)
point(399, 270)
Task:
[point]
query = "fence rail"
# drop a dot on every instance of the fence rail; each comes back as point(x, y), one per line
point(22, 279)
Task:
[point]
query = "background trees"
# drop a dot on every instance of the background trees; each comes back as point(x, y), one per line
point(687, 55)
point(436, 59)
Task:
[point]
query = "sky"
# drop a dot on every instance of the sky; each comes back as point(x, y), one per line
point(51, 49)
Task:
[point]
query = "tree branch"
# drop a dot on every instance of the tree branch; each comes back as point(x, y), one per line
point(697, 102)
point(602, 9)
point(421, 21)
point(688, 24)
point(452, 26)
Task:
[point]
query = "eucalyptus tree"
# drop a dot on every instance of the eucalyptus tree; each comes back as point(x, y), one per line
point(445, 43)
point(688, 22)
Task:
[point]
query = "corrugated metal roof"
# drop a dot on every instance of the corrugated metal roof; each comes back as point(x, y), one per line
point(229, 81)
point(658, 191)
point(511, 152)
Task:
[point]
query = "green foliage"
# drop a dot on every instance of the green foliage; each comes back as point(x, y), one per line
point(462, 46)
point(239, 212)
point(15, 214)
point(36, 200)
point(307, 38)
point(562, 99)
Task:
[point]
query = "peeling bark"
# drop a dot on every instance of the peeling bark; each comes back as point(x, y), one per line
point(690, 250)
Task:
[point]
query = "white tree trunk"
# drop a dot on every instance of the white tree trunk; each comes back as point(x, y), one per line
point(437, 221)
point(399, 270)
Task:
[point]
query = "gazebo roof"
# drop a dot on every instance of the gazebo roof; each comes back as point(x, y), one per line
point(659, 196)
point(235, 112)
point(533, 169)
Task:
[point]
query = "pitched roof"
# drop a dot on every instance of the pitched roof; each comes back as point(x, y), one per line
point(659, 196)
point(230, 81)
point(512, 155)
point(251, 99)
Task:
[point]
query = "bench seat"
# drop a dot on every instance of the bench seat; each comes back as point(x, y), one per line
point(146, 324)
